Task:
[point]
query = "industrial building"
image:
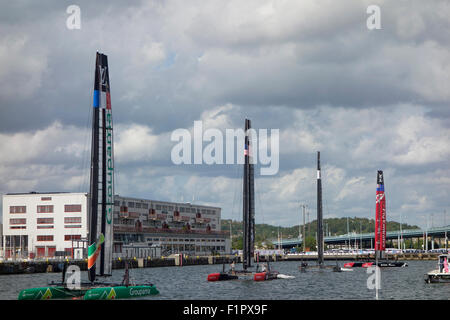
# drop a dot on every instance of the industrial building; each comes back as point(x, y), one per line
point(45, 225)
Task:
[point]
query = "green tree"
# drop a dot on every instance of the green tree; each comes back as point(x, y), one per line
point(310, 242)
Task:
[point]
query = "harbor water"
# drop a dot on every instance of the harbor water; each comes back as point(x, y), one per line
point(189, 282)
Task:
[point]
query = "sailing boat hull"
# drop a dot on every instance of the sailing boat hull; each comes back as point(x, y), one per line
point(386, 264)
point(263, 276)
point(381, 264)
point(45, 293)
point(120, 292)
point(221, 276)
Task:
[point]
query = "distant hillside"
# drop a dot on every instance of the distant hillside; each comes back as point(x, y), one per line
point(336, 226)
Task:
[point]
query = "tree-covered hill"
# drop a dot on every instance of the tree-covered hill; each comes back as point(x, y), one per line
point(333, 226)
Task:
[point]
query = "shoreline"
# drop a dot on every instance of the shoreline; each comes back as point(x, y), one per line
point(54, 265)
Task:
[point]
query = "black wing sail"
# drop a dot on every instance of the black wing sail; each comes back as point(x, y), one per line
point(102, 175)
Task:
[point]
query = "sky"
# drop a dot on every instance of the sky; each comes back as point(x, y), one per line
point(367, 98)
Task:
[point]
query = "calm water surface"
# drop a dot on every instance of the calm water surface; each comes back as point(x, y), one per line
point(189, 282)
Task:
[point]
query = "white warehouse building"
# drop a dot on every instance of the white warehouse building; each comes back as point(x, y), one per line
point(43, 225)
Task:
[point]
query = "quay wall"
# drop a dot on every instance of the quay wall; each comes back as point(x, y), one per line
point(363, 257)
point(42, 266)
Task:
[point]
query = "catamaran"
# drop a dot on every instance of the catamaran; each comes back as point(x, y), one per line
point(101, 206)
point(320, 241)
point(380, 232)
point(265, 273)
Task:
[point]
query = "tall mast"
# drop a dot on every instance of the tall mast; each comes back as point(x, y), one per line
point(380, 216)
point(102, 175)
point(319, 215)
point(248, 201)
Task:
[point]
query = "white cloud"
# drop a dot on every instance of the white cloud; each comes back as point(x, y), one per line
point(22, 67)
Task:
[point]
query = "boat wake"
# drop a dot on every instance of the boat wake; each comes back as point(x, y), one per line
point(284, 276)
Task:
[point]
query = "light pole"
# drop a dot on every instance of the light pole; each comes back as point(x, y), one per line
point(348, 234)
point(360, 234)
point(445, 226)
point(304, 206)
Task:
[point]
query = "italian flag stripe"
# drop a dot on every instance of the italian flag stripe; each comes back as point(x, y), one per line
point(94, 250)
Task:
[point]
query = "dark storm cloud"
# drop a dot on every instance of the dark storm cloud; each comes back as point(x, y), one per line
point(330, 59)
point(367, 99)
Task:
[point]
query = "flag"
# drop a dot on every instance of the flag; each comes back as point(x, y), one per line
point(94, 250)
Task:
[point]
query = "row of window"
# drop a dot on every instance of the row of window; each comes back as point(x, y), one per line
point(46, 208)
point(44, 220)
point(69, 226)
point(45, 223)
point(185, 240)
point(67, 237)
point(166, 208)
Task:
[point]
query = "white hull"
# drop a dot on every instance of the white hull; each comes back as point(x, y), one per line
point(436, 276)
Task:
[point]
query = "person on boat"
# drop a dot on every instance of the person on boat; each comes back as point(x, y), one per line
point(126, 276)
point(445, 264)
point(232, 266)
point(264, 267)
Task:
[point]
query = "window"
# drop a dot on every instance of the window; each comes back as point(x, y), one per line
point(131, 204)
point(138, 205)
point(17, 209)
point(45, 209)
point(72, 220)
point(72, 208)
point(44, 220)
point(17, 227)
point(145, 205)
point(46, 198)
point(45, 227)
point(158, 207)
point(181, 209)
point(69, 237)
point(72, 226)
point(17, 221)
point(44, 238)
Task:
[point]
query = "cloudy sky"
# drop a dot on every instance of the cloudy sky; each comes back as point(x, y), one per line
point(367, 99)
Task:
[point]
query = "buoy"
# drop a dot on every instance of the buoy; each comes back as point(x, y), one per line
point(213, 276)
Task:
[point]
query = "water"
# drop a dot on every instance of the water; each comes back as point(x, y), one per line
point(189, 282)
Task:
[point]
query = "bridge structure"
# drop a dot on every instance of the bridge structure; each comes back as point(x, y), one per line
point(437, 238)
